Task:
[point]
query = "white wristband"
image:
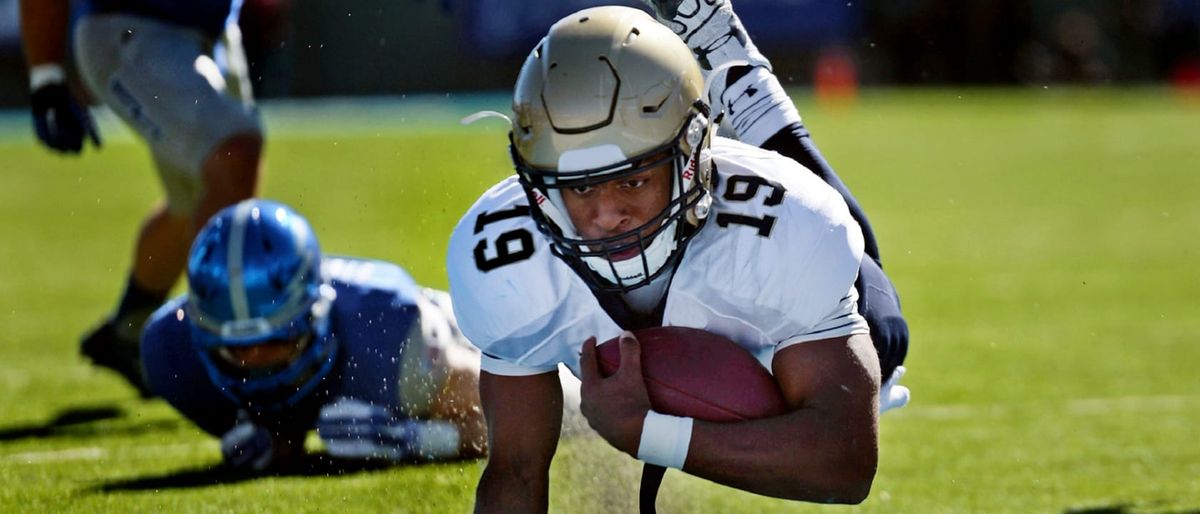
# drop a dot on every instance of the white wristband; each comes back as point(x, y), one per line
point(46, 74)
point(665, 440)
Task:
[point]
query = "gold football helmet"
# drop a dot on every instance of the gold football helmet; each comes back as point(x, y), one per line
point(609, 93)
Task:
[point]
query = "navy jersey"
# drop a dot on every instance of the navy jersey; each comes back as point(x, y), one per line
point(209, 16)
point(374, 319)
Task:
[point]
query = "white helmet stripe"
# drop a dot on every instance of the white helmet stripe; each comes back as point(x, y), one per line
point(592, 157)
point(295, 286)
point(237, 243)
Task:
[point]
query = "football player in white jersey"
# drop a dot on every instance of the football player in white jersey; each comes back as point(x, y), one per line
point(175, 73)
point(626, 212)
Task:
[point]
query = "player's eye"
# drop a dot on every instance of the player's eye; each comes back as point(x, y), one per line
point(634, 183)
point(582, 190)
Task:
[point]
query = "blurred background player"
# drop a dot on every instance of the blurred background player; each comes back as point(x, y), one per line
point(175, 73)
point(627, 213)
point(274, 340)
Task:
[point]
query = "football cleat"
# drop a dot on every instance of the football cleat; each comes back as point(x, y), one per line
point(711, 30)
point(105, 347)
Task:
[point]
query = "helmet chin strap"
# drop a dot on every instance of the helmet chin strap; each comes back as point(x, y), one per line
point(700, 211)
point(550, 209)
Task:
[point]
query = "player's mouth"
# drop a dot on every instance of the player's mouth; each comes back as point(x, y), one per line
point(626, 249)
point(626, 254)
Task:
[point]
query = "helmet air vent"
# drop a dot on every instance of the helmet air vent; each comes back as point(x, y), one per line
point(652, 109)
point(631, 37)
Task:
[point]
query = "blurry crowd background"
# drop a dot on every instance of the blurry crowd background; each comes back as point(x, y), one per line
point(350, 47)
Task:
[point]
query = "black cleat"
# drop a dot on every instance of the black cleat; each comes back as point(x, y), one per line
point(106, 348)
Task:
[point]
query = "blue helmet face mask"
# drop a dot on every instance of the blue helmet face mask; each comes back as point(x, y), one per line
point(254, 279)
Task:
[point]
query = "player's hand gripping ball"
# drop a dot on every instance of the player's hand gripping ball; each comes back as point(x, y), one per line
point(694, 373)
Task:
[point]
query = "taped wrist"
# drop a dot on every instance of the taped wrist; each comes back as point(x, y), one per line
point(45, 75)
point(665, 440)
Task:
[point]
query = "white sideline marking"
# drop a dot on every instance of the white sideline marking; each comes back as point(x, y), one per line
point(70, 454)
point(1130, 403)
point(96, 453)
point(1080, 407)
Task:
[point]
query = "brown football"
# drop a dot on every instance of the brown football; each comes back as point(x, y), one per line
point(691, 372)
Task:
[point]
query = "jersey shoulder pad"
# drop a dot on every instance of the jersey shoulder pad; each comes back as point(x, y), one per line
point(778, 238)
point(168, 325)
point(369, 275)
point(512, 297)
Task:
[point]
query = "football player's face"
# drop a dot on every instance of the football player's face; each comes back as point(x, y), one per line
point(268, 355)
point(619, 206)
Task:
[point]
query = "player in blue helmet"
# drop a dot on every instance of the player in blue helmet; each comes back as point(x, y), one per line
point(273, 340)
point(176, 74)
point(256, 286)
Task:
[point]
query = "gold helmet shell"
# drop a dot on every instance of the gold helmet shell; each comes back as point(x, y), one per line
point(605, 76)
point(610, 92)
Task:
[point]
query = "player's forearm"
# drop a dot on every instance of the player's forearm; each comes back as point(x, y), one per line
point(503, 490)
point(806, 455)
point(524, 415)
point(44, 30)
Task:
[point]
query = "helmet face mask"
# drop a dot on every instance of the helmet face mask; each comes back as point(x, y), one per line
point(262, 359)
point(255, 283)
point(608, 94)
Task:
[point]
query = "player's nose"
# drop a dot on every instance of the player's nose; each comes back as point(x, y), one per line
point(612, 214)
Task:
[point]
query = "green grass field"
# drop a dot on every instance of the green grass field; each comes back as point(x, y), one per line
point(1044, 243)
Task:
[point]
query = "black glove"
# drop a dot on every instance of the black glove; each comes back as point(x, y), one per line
point(248, 446)
point(59, 121)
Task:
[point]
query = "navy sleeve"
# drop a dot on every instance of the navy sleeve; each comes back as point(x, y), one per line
point(175, 372)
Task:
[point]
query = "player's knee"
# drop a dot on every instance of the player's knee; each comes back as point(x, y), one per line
point(249, 142)
point(236, 153)
point(231, 169)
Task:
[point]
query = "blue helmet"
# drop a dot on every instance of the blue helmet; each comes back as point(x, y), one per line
point(254, 276)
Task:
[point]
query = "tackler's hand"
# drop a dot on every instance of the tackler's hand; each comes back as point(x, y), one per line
point(355, 429)
point(615, 406)
point(248, 446)
point(253, 446)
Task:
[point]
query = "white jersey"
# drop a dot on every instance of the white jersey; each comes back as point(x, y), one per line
point(773, 266)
